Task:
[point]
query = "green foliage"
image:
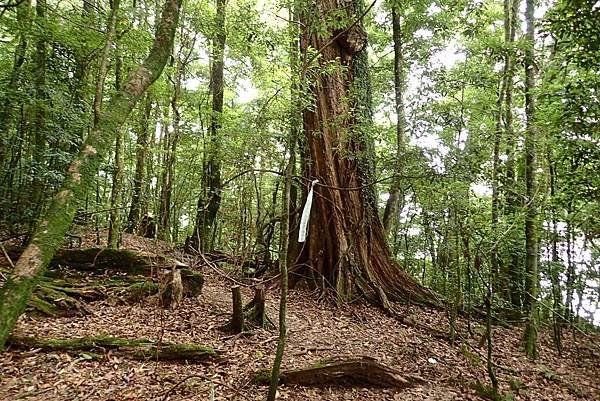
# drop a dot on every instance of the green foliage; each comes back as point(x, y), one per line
point(453, 55)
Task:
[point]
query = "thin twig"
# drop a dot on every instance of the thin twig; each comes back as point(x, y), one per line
point(220, 273)
point(6, 256)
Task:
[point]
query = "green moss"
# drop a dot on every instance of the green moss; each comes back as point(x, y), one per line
point(323, 362)
point(263, 376)
point(43, 306)
point(486, 391)
point(138, 290)
point(14, 296)
point(472, 357)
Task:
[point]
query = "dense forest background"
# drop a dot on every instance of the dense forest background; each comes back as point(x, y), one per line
point(479, 136)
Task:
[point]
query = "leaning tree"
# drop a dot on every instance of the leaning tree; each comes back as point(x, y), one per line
point(346, 248)
point(52, 227)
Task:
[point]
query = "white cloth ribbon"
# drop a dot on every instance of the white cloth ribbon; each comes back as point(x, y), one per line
point(306, 213)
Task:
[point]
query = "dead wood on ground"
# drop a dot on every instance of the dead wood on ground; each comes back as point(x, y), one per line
point(139, 349)
point(361, 371)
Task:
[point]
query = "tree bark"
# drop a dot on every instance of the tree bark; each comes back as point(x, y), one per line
point(138, 349)
point(390, 214)
point(114, 219)
point(237, 323)
point(39, 130)
point(170, 147)
point(139, 178)
point(531, 241)
point(513, 272)
point(53, 226)
point(358, 371)
point(346, 249)
point(209, 200)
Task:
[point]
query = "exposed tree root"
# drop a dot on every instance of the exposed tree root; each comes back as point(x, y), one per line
point(361, 371)
point(140, 349)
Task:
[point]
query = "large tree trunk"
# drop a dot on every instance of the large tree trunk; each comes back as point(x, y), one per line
point(346, 249)
point(53, 226)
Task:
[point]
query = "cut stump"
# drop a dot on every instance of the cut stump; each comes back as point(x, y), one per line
point(255, 312)
point(361, 371)
point(236, 324)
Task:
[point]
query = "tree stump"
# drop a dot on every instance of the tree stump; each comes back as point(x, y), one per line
point(172, 290)
point(236, 324)
point(255, 312)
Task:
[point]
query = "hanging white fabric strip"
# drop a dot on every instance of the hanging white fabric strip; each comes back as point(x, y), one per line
point(303, 232)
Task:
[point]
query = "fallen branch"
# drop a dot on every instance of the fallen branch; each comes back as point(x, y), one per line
point(361, 371)
point(140, 349)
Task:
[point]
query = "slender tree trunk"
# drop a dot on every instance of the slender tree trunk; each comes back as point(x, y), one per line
point(346, 249)
point(570, 266)
point(283, 269)
point(114, 220)
point(288, 250)
point(39, 124)
point(11, 101)
point(104, 63)
point(294, 247)
point(531, 241)
point(495, 258)
point(555, 264)
point(209, 201)
point(513, 273)
point(8, 99)
point(139, 178)
point(391, 207)
point(171, 140)
point(50, 232)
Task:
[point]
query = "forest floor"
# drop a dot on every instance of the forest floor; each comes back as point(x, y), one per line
point(317, 330)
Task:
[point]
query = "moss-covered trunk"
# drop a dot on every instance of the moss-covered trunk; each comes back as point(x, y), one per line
point(140, 349)
point(52, 227)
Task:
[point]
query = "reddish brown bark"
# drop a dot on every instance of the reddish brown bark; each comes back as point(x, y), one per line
point(346, 248)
